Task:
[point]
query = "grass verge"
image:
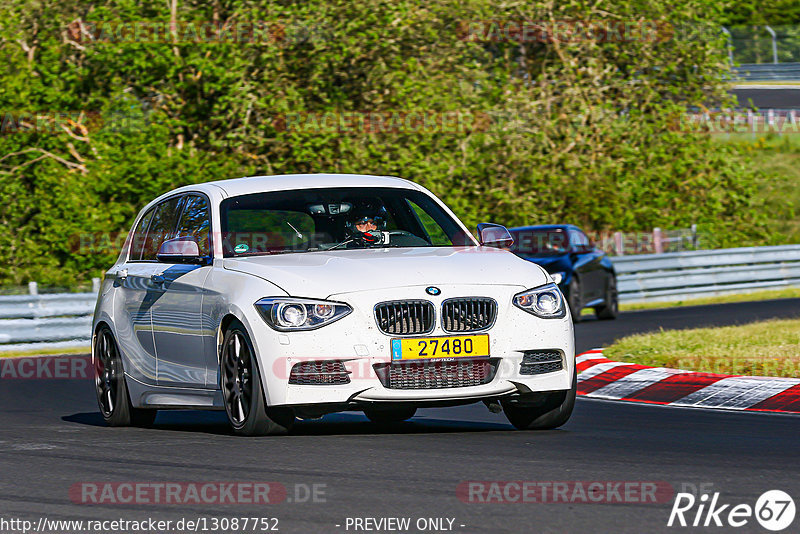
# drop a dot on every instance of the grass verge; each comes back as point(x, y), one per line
point(786, 293)
point(766, 348)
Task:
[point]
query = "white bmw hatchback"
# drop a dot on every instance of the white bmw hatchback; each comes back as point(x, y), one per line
point(283, 297)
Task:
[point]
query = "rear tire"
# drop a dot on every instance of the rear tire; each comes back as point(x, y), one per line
point(553, 412)
point(113, 398)
point(390, 415)
point(574, 298)
point(242, 392)
point(610, 308)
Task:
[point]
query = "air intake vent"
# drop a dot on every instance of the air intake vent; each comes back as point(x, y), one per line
point(470, 314)
point(402, 317)
point(539, 362)
point(320, 373)
point(436, 375)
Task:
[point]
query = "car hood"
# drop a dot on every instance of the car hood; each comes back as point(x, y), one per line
point(321, 274)
point(553, 263)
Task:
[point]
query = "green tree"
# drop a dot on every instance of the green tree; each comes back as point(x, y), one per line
point(577, 130)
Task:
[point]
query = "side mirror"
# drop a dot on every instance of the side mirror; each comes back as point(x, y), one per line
point(179, 250)
point(494, 235)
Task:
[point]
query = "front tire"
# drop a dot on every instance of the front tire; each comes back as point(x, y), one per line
point(610, 308)
point(554, 411)
point(390, 415)
point(574, 299)
point(113, 398)
point(242, 391)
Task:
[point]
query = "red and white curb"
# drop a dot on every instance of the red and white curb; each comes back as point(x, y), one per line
point(601, 378)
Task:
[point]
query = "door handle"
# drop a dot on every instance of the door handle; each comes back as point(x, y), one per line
point(157, 278)
point(122, 274)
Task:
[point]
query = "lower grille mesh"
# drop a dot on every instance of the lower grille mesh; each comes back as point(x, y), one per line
point(539, 362)
point(436, 375)
point(319, 373)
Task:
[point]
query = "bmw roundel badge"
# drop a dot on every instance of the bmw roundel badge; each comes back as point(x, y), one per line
point(434, 291)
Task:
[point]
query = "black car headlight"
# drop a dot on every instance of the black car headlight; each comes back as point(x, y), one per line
point(288, 314)
point(545, 301)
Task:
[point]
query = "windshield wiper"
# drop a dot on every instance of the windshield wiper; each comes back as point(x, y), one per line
point(343, 243)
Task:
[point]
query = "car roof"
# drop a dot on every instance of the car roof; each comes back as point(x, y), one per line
point(545, 227)
point(258, 184)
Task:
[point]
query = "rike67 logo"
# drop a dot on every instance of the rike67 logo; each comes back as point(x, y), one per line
point(774, 510)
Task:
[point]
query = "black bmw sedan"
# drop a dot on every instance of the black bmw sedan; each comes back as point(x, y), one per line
point(584, 273)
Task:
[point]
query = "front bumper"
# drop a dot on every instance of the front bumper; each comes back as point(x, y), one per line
point(358, 342)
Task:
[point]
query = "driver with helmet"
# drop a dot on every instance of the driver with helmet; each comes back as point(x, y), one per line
point(366, 226)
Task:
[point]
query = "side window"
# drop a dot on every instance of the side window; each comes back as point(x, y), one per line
point(196, 222)
point(160, 228)
point(573, 240)
point(579, 241)
point(586, 242)
point(138, 237)
point(435, 232)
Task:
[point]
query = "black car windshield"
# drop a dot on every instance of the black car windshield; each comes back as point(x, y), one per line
point(539, 241)
point(311, 220)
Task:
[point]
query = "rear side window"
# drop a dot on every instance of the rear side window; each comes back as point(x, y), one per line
point(139, 235)
point(196, 222)
point(160, 228)
point(579, 240)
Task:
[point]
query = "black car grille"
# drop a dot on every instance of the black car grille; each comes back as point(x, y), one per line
point(468, 314)
point(539, 362)
point(436, 375)
point(405, 317)
point(320, 373)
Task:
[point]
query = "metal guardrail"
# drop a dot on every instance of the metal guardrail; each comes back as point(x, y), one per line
point(705, 273)
point(765, 72)
point(58, 321)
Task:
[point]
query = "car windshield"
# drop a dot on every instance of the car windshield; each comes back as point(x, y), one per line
point(310, 220)
point(539, 241)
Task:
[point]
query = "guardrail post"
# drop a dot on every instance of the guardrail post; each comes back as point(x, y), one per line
point(33, 288)
point(619, 243)
point(730, 44)
point(95, 285)
point(658, 241)
point(774, 44)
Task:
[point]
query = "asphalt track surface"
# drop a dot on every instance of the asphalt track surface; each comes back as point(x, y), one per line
point(768, 98)
point(52, 437)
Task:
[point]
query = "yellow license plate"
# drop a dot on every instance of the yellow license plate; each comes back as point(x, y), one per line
point(423, 348)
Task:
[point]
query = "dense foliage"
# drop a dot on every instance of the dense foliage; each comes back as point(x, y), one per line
point(580, 130)
point(759, 12)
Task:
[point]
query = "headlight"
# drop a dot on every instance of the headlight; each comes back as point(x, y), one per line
point(546, 302)
point(558, 277)
point(289, 314)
